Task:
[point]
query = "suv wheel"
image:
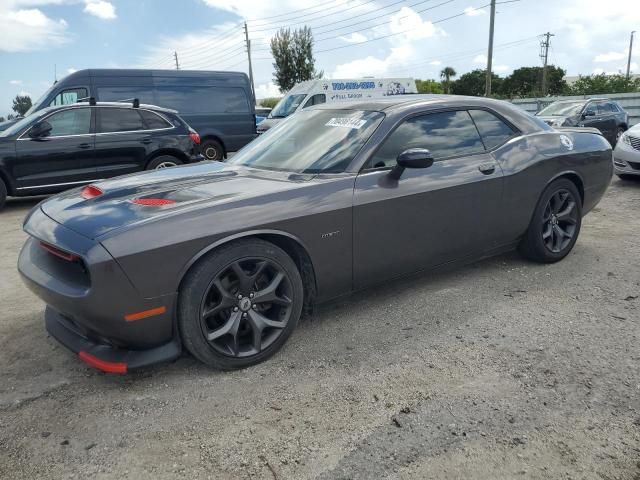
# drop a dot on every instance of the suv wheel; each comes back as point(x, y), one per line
point(212, 150)
point(163, 161)
point(619, 133)
point(239, 304)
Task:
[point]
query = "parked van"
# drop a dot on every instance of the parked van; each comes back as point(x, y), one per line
point(314, 92)
point(218, 105)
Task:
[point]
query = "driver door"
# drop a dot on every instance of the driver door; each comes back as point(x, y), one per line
point(429, 216)
point(60, 160)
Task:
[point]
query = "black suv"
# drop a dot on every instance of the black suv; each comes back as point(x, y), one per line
point(601, 113)
point(61, 147)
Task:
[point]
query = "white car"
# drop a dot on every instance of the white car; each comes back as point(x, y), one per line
point(626, 156)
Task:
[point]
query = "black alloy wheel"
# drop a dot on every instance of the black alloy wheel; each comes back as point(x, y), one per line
point(239, 304)
point(246, 307)
point(555, 224)
point(559, 221)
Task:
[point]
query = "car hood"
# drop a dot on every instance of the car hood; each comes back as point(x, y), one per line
point(205, 184)
point(267, 123)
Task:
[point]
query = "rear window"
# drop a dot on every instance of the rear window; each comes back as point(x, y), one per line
point(494, 132)
point(153, 121)
point(118, 120)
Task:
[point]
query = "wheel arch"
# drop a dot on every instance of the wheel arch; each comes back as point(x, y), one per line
point(174, 152)
point(292, 245)
point(574, 177)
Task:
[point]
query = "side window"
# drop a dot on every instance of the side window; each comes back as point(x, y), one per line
point(591, 108)
point(118, 120)
point(493, 131)
point(76, 121)
point(614, 108)
point(316, 99)
point(153, 121)
point(71, 95)
point(116, 94)
point(446, 134)
point(603, 109)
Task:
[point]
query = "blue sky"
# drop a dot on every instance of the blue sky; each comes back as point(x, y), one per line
point(359, 37)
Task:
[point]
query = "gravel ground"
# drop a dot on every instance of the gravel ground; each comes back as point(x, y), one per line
point(502, 369)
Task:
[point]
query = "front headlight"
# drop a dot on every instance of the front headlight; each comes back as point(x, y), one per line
point(625, 138)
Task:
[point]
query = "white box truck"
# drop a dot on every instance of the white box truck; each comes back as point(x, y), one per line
point(314, 92)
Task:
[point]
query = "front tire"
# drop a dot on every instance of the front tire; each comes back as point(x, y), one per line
point(619, 134)
point(163, 161)
point(555, 225)
point(240, 304)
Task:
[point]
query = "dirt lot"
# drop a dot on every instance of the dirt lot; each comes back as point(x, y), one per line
point(503, 369)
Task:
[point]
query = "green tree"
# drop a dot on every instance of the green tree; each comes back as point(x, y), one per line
point(446, 75)
point(527, 82)
point(429, 86)
point(269, 102)
point(473, 83)
point(2, 119)
point(602, 83)
point(293, 55)
point(21, 104)
point(11, 116)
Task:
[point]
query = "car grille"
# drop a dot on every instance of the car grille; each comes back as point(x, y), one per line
point(634, 165)
point(635, 141)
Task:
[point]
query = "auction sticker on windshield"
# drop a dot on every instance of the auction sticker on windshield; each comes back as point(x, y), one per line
point(346, 123)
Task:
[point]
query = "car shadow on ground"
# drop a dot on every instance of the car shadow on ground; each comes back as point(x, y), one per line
point(22, 203)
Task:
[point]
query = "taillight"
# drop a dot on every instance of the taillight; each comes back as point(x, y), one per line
point(69, 257)
point(153, 202)
point(90, 191)
point(194, 136)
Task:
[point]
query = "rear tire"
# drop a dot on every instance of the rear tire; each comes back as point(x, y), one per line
point(555, 224)
point(3, 194)
point(619, 133)
point(212, 150)
point(164, 161)
point(239, 304)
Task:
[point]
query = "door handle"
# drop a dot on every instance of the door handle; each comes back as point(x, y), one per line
point(487, 168)
point(146, 141)
point(84, 145)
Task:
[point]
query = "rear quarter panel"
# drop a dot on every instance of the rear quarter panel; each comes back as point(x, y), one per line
point(531, 162)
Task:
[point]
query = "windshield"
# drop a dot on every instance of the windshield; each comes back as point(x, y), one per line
point(287, 105)
point(320, 141)
point(37, 103)
point(562, 108)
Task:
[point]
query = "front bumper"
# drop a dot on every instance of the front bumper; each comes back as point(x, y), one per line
point(102, 356)
point(93, 299)
point(626, 160)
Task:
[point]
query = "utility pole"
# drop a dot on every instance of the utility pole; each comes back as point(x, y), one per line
point(246, 37)
point(544, 54)
point(175, 55)
point(487, 89)
point(630, 49)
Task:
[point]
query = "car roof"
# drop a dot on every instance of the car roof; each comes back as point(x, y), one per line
point(109, 104)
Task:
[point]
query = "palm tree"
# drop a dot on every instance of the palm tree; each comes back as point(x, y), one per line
point(446, 75)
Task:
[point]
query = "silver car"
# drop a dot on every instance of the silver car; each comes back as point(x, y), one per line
point(626, 156)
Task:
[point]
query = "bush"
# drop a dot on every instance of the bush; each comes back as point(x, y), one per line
point(269, 102)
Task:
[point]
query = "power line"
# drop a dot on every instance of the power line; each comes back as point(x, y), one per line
point(288, 13)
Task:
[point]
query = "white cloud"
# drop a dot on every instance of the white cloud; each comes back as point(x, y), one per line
point(15, 82)
point(72, 70)
point(435, 63)
point(101, 9)
point(29, 29)
point(266, 90)
point(500, 68)
point(474, 12)
point(480, 59)
point(369, 66)
point(354, 38)
point(609, 57)
point(409, 24)
point(24, 93)
point(598, 71)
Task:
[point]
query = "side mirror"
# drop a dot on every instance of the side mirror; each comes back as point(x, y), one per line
point(40, 129)
point(411, 158)
point(589, 113)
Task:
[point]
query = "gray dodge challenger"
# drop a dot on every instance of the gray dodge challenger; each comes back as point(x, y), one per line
point(223, 259)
